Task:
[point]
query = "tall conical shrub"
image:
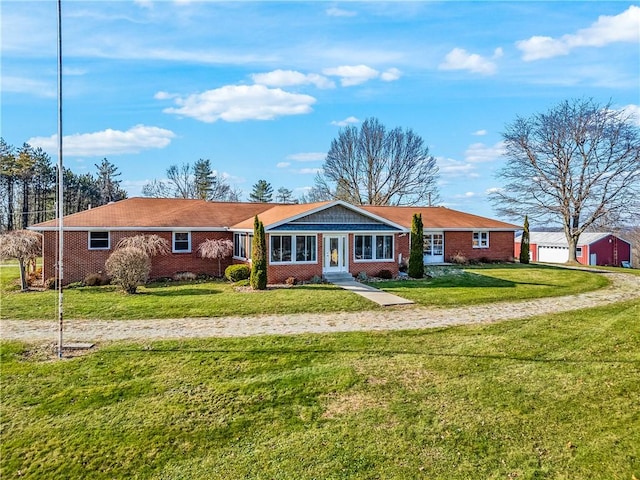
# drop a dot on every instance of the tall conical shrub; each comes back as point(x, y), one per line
point(524, 245)
point(258, 279)
point(416, 259)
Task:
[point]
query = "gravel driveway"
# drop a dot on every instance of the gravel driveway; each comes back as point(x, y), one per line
point(623, 287)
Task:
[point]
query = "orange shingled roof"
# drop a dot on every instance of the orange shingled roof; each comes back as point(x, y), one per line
point(278, 213)
point(161, 212)
point(173, 213)
point(438, 217)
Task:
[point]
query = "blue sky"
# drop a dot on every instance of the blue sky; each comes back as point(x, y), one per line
point(261, 88)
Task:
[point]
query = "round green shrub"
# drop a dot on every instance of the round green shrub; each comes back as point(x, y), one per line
point(235, 273)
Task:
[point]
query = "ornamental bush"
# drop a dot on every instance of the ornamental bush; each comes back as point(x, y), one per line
point(129, 267)
point(235, 273)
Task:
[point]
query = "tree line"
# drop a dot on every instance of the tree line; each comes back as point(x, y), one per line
point(201, 182)
point(28, 187)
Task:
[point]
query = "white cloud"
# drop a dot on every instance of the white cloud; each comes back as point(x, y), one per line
point(345, 122)
point(451, 168)
point(107, 142)
point(308, 157)
point(339, 12)
point(634, 113)
point(604, 31)
point(465, 195)
point(28, 86)
point(235, 103)
point(286, 78)
point(351, 75)
point(134, 187)
point(144, 3)
point(480, 153)
point(73, 72)
point(480, 133)
point(460, 59)
point(164, 96)
point(491, 190)
point(283, 164)
point(538, 47)
point(390, 75)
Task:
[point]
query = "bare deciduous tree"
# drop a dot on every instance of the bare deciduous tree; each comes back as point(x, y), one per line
point(575, 164)
point(198, 181)
point(23, 245)
point(218, 248)
point(374, 166)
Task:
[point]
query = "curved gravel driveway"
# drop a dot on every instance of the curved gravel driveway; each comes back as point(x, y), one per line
point(623, 287)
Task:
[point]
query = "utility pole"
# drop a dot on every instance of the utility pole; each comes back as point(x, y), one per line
point(60, 188)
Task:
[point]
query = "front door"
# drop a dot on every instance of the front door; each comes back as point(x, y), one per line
point(433, 247)
point(335, 253)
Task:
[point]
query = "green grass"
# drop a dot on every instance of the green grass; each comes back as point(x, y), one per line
point(179, 300)
point(548, 397)
point(453, 286)
point(213, 299)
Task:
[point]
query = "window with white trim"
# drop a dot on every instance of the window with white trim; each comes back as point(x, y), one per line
point(293, 248)
point(181, 242)
point(306, 248)
point(480, 239)
point(99, 241)
point(373, 247)
point(578, 251)
point(240, 245)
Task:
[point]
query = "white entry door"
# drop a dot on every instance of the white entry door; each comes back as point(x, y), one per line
point(433, 247)
point(335, 253)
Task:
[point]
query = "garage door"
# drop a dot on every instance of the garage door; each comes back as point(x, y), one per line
point(553, 254)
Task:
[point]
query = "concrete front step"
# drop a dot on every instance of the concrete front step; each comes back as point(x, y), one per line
point(338, 277)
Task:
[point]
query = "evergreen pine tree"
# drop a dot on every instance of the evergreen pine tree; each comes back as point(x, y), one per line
point(258, 279)
point(524, 245)
point(262, 192)
point(416, 259)
point(108, 186)
point(203, 179)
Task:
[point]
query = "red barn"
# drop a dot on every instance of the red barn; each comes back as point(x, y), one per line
point(594, 248)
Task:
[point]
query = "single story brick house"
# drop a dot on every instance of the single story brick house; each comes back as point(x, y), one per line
point(594, 248)
point(303, 240)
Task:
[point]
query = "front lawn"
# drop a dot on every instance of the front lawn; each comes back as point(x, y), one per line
point(548, 397)
point(454, 287)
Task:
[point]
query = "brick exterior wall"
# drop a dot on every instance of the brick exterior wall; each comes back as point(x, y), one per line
point(79, 261)
point(501, 246)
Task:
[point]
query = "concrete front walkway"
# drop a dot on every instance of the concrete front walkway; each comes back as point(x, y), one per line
point(378, 296)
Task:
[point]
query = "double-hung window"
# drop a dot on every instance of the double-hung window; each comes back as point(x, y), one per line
point(240, 245)
point(293, 248)
point(373, 247)
point(480, 239)
point(181, 242)
point(99, 241)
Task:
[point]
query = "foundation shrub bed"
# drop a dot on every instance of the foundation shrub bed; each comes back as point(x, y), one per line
point(235, 273)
